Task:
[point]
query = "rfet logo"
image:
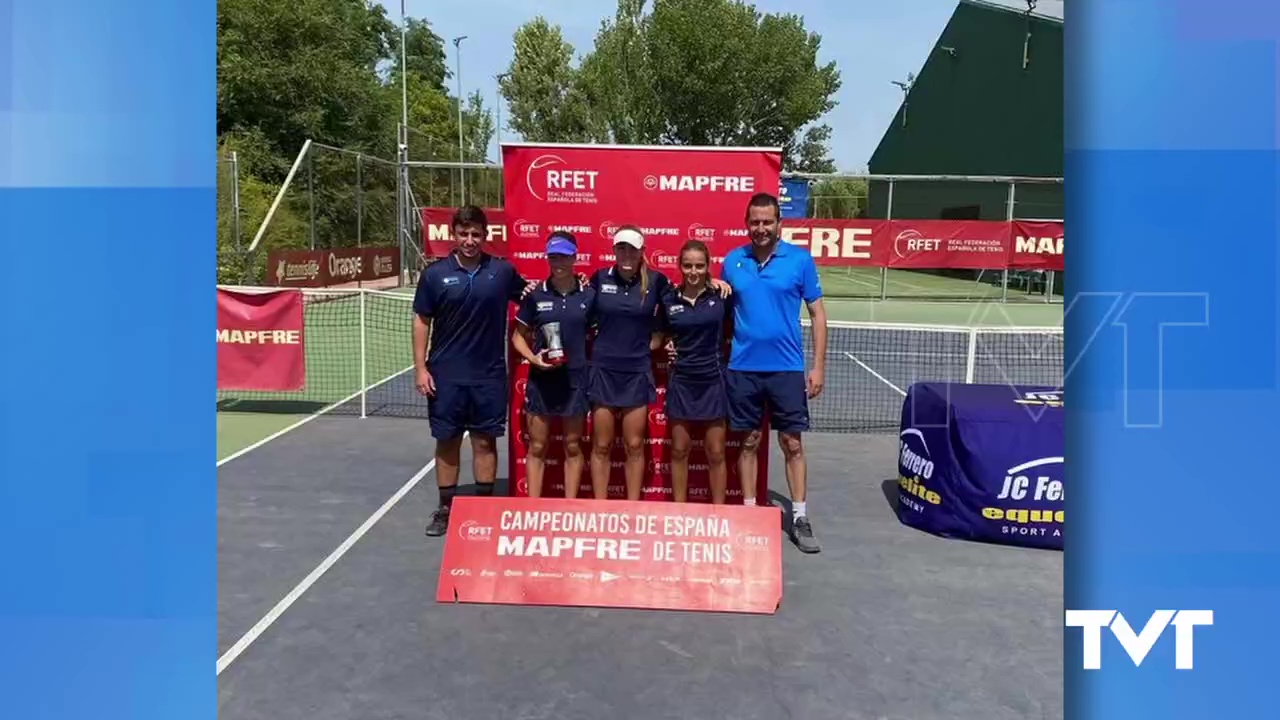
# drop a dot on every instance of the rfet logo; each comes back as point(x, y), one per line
point(698, 231)
point(471, 530)
point(551, 179)
point(521, 384)
point(525, 229)
point(658, 417)
point(660, 259)
point(607, 229)
point(909, 242)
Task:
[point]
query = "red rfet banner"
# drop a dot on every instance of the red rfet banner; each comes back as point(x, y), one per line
point(260, 341)
point(437, 231)
point(672, 194)
point(617, 554)
point(1036, 246)
point(919, 244)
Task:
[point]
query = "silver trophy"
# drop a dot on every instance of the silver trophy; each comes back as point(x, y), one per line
point(555, 347)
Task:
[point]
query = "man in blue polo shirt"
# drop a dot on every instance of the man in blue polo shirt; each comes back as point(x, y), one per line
point(461, 305)
point(766, 364)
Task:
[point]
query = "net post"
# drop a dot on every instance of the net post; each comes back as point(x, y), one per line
point(364, 358)
point(971, 356)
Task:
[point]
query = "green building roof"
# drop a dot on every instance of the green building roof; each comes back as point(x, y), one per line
point(988, 101)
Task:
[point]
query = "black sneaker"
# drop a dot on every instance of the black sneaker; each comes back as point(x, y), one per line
point(802, 536)
point(439, 524)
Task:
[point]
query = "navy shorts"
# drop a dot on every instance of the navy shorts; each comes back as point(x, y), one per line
point(696, 399)
point(561, 392)
point(476, 407)
point(620, 388)
point(785, 394)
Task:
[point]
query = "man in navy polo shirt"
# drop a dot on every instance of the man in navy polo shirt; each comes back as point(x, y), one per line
point(461, 305)
point(766, 364)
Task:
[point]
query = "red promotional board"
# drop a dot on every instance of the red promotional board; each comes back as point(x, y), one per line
point(920, 244)
point(963, 244)
point(437, 231)
point(672, 194)
point(336, 266)
point(620, 554)
point(1036, 246)
point(260, 341)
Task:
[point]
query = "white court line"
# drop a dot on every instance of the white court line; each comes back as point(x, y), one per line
point(873, 372)
point(244, 642)
point(308, 418)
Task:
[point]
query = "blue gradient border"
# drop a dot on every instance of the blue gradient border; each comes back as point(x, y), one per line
point(108, 524)
point(1172, 187)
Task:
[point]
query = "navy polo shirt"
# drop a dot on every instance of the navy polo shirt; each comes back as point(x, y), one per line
point(573, 310)
point(468, 311)
point(766, 308)
point(625, 320)
point(697, 328)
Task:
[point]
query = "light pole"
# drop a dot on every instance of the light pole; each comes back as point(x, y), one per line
point(462, 178)
point(498, 109)
point(404, 67)
point(402, 144)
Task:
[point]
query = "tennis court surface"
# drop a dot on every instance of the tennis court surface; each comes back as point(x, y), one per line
point(327, 583)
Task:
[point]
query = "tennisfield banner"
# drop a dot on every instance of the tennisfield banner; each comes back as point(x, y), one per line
point(918, 244)
point(672, 194)
point(623, 554)
point(260, 341)
point(337, 266)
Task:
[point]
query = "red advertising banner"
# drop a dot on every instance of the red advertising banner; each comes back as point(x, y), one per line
point(437, 231)
point(920, 244)
point(1037, 246)
point(617, 554)
point(260, 341)
point(961, 244)
point(672, 194)
point(929, 244)
point(323, 268)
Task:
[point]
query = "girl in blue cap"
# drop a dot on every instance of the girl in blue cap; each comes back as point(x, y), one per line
point(551, 335)
point(696, 322)
point(620, 378)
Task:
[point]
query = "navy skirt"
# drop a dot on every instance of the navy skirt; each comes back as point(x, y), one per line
point(560, 392)
point(619, 388)
point(696, 399)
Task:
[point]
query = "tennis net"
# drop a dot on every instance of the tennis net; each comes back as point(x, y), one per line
point(359, 362)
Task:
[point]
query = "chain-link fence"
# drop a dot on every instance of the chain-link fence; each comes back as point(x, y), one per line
point(332, 198)
point(864, 196)
point(335, 198)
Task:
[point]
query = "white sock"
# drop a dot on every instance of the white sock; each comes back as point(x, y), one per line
point(797, 510)
point(749, 502)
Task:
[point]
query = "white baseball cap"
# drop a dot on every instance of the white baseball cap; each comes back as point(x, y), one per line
point(627, 236)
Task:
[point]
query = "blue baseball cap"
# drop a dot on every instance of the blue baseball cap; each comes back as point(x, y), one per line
point(560, 245)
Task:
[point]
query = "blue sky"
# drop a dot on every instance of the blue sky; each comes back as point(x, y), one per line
point(873, 42)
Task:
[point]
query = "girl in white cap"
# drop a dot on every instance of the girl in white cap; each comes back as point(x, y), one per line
point(620, 380)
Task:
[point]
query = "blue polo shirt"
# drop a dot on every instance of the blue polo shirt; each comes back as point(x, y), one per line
point(625, 320)
point(766, 308)
point(573, 310)
point(468, 311)
point(697, 329)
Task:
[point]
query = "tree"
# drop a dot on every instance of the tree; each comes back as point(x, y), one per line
point(690, 72)
point(305, 69)
point(540, 87)
point(424, 55)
